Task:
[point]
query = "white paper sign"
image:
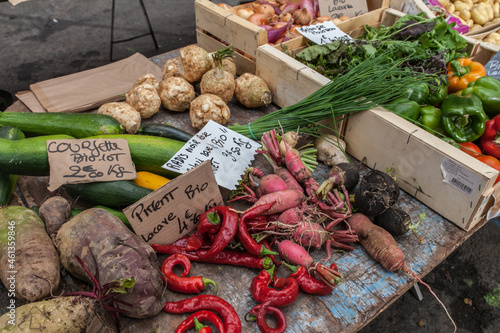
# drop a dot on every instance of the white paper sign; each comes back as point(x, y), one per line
point(322, 33)
point(229, 153)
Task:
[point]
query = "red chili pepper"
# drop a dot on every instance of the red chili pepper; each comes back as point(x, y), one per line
point(235, 258)
point(195, 241)
point(260, 311)
point(183, 242)
point(246, 239)
point(210, 221)
point(183, 284)
point(490, 140)
point(232, 323)
point(262, 292)
point(202, 315)
point(308, 283)
point(227, 230)
point(258, 224)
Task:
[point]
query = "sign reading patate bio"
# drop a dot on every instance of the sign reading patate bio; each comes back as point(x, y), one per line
point(338, 8)
point(88, 160)
point(172, 211)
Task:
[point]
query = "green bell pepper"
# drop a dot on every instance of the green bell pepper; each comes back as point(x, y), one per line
point(437, 93)
point(463, 118)
point(417, 92)
point(487, 88)
point(409, 110)
point(430, 118)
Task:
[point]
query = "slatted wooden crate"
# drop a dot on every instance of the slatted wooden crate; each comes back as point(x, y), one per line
point(452, 183)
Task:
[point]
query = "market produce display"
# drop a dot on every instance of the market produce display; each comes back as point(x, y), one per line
point(416, 69)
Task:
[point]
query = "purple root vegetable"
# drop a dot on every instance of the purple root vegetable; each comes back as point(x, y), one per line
point(295, 254)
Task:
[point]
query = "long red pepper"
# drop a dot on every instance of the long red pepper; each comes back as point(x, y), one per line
point(232, 323)
point(235, 258)
point(194, 241)
point(260, 311)
point(183, 241)
point(227, 230)
point(308, 283)
point(202, 315)
point(287, 292)
point(245, 238)
point(183, 284)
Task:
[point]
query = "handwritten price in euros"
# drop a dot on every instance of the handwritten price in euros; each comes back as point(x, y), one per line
point(89, 171)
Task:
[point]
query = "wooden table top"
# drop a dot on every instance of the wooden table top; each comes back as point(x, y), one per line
point(367, 288)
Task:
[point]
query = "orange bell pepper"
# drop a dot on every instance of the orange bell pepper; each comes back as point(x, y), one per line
point(463, 71)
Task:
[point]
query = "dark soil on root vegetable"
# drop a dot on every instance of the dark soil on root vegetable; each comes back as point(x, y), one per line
point(373, 199)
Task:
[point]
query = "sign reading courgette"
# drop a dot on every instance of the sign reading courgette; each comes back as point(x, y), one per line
point(88, 160)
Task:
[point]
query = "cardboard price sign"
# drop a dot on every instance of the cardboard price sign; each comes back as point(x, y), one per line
point(88, 160)
point(337, 8)
point(172, 211)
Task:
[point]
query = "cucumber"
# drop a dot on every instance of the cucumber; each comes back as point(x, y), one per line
point(27, 156)
point(110, 194)
point(165, 131)
point(77, 125)
point(149, 152)
point(8, 181)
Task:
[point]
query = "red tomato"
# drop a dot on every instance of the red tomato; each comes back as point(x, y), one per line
point(470, 148)
point(492, 162)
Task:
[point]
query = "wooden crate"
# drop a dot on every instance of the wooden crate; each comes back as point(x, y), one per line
point(216, 26)
point(384, 140)
point(290, 81)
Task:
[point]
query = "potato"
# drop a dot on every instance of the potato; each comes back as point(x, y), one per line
point(28, 259)
point(103, 242)
point(129, 117)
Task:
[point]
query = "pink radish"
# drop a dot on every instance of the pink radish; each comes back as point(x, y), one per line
point(283, 200)
point(295, 254)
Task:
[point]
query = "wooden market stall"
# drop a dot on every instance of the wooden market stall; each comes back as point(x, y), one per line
point(367, 288)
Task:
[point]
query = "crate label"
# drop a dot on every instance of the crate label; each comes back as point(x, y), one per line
point(322, 33)
point(172, 211)
point(493, 66)
point(229, 153)
point(459, 177)
point(337, 8)
point(88, 160)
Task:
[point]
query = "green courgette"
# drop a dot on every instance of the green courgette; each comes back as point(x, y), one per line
point(165, 131)
point(77, 125)
point(149, 152)
point(27, 156)
point(117, 193)
point(8, 181)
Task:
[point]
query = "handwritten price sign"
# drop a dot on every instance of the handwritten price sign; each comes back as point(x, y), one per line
point(337, 8)
point(493, 66)
point(88, 160)
point(173, 210)
point(229, 153)
point(323, 33)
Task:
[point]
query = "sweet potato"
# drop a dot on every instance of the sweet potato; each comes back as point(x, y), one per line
point(379, 244)
point(28, 260)
point(108, 248)
point(57, 315)
point(54, 212)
